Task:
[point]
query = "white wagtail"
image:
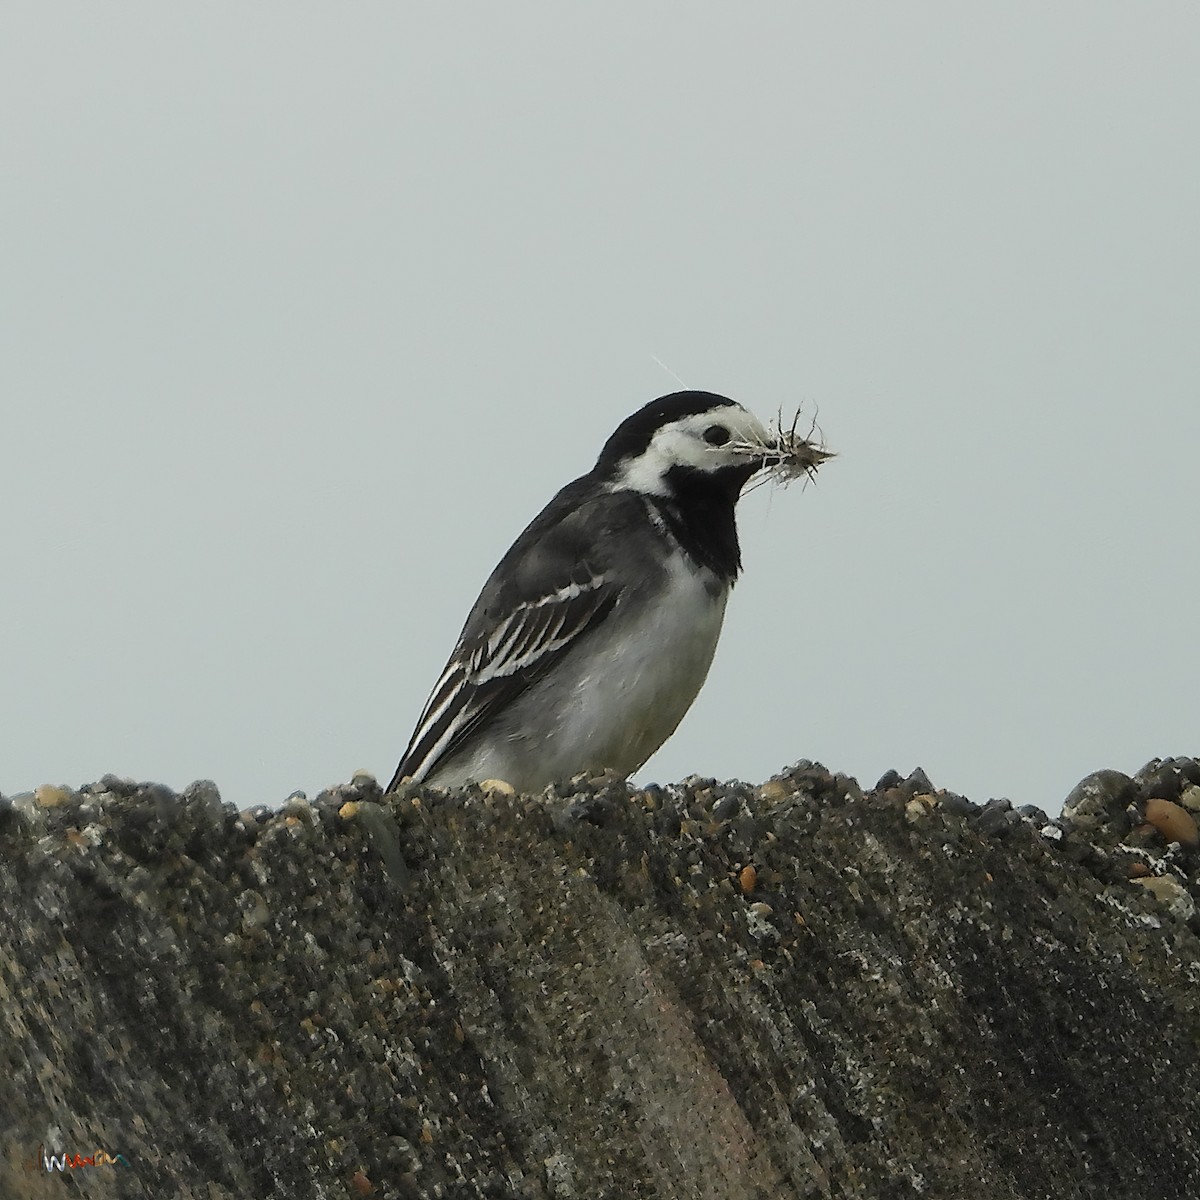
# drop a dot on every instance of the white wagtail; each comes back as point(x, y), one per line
point(592, 637)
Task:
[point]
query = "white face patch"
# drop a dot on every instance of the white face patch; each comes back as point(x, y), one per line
point(682, 443)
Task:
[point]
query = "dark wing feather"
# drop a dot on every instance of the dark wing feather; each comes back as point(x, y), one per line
point(490, 670)
point(547, 594)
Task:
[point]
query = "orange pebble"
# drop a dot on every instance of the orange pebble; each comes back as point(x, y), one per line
point(747, 879)
point(1173, 821)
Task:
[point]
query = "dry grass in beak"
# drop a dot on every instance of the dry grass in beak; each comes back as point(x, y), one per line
point(786, 454)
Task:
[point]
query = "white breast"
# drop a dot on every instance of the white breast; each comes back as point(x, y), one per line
point(645, 674)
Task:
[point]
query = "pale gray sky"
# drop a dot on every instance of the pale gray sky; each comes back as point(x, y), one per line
point(306, 310)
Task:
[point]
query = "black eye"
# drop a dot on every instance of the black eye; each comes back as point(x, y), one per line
point(716, 435)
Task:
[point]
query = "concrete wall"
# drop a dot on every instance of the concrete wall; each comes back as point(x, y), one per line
point(795, 990)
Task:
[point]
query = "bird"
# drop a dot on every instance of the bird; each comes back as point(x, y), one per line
point(596, 630)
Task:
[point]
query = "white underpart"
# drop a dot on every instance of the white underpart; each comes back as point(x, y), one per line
point(682, 444)
point(615, 701)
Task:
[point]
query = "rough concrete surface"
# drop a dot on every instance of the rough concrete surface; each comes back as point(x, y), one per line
point(709, 990)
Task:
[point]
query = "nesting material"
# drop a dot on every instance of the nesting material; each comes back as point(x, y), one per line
point(787, 453)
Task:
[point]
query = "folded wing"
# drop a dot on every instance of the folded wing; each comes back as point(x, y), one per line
point(492, 667)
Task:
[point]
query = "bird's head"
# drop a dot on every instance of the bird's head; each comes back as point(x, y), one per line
point(700, 439)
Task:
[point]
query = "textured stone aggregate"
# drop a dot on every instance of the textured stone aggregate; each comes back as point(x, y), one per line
point(798, 989)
